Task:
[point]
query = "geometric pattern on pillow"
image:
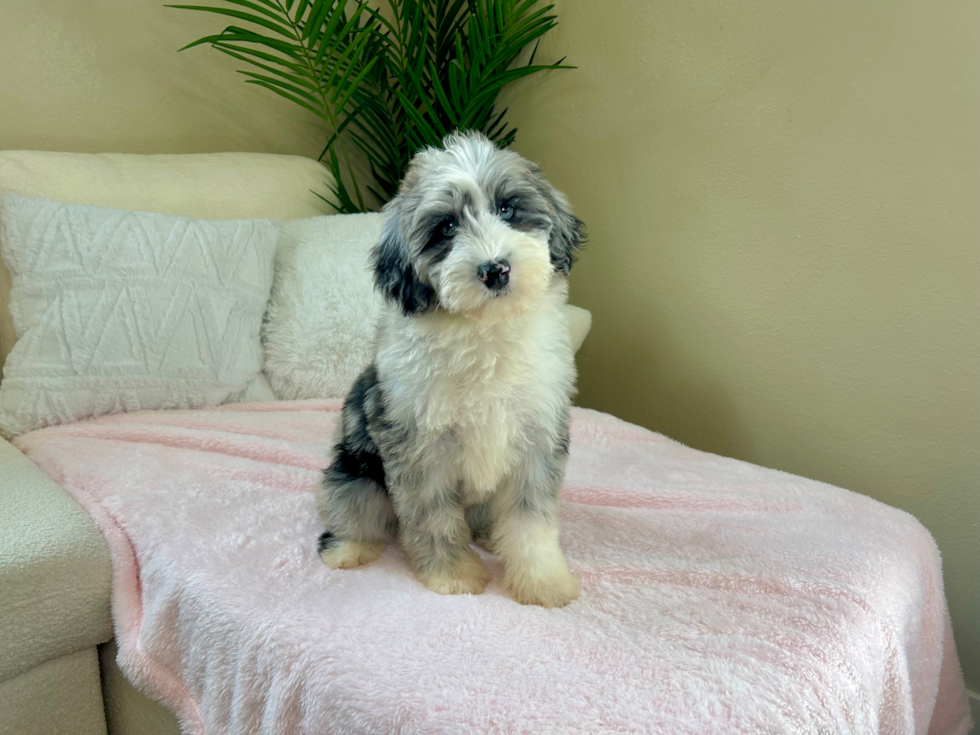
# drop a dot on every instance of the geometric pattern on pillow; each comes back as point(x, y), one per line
point(120, 311)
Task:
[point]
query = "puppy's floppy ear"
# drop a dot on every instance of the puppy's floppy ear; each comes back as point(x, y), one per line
point(567, 230)
point(394, 275)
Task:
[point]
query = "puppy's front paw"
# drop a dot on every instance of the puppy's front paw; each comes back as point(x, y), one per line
point(555, 590)
point(469, 577)
point(346, 554)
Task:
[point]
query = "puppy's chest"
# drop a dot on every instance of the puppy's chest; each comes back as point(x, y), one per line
point(486, 408)
point(488, 452)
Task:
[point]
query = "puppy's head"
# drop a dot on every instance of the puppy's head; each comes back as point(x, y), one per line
point(474, 230)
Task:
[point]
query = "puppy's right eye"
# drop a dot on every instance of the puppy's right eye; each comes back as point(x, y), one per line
point(441, 234)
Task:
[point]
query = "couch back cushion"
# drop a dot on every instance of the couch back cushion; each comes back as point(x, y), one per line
point(213, 186)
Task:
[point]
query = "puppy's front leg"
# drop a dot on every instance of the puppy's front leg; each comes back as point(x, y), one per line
point(525, 533)
point(436, 538)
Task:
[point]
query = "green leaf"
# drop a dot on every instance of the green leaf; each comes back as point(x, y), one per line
point(291, 83)
point(318, 12)
point(341, 64)
point(342, 102)
point(300, 10)
point(495, 127)
point(442, 97)
point(417, 117)
point(377, 195)
point(457, 80)
point(336, 209)
point(340, 189)
point(288, 96)
point(233, 33)
point(291, 88)
point(257, 19)
point(323, 39)
point(269, 9)
point(378, 18)
point(349, 61)
point(245, 50)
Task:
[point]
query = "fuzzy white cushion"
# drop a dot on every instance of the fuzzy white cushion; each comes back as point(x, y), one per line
point(319, 328)
point(118, 311)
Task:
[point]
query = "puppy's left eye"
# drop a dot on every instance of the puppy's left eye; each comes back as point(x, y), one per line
point(506, 210)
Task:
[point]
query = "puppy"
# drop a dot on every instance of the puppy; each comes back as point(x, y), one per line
point(458, 430)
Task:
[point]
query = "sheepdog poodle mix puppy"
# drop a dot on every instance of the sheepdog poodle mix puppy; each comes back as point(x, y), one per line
point(458, 431)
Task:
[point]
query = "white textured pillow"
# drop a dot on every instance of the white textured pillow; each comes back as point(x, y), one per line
point(319, 328)
point(120, 311)
point(213, 186)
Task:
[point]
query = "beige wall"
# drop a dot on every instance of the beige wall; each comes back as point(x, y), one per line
point(784, 207)
point(783, 201)
point(105, 75)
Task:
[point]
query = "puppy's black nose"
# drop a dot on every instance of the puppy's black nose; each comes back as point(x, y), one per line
point(494, 275)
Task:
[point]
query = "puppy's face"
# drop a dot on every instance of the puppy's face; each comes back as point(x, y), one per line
point(474, 230)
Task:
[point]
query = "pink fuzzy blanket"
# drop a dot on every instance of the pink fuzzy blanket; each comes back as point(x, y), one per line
point(717, 597)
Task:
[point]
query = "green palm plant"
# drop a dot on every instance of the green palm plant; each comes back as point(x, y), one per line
point(385, 84)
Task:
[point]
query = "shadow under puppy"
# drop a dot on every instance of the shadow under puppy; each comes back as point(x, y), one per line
point(458, 430)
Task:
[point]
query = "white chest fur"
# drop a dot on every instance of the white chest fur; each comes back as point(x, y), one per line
point(484, 391)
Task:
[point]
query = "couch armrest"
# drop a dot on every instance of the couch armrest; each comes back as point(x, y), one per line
point(55, 573)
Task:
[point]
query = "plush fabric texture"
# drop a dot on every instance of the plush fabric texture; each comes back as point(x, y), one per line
point(212, 186)
point(319, 326)
point(716, 596)
point(55, 573)
point(119, 311)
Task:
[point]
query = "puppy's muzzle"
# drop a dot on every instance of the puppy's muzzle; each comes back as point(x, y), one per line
point(495, 274)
